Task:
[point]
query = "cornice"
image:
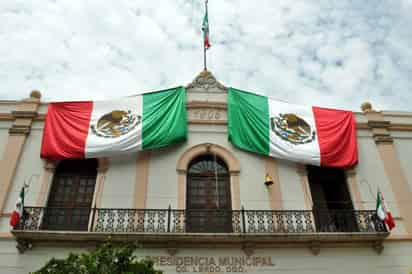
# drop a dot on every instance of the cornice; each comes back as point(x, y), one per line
point(378, 124)
point(24, 114)
point(19, 130)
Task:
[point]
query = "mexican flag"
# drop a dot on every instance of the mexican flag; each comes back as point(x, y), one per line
point(205, 29)
point(383, 212)
point(310, 135)
point(92, 129)
point(18, 211)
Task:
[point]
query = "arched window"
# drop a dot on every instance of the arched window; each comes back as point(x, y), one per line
point(71, 195)
point(208, 201)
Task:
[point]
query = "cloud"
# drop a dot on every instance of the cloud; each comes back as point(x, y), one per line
point(330, 53)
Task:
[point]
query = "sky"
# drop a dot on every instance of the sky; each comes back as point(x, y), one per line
point(328, 53)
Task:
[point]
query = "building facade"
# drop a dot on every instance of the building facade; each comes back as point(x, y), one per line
point(204, 206)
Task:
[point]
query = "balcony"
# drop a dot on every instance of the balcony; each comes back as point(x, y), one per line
point(171, 227)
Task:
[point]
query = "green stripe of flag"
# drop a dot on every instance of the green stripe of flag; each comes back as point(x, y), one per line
point(164, 118)
point(248, 121)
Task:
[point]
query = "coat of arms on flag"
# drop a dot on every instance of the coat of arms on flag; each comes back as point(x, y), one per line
point(292, 128)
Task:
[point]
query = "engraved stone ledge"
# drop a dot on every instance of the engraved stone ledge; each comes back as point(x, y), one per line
point(206, 82)
point(206, 115)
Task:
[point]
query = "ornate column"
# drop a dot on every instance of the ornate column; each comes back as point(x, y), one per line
point(391, 163)
point(23, 116)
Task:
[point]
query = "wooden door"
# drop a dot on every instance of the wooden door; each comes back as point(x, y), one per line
point(332, 204)
point(71, 195)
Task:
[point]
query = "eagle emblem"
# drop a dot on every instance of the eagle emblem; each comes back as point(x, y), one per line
point(115, 123)
point(292, 128)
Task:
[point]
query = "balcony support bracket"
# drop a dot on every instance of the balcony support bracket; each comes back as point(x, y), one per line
point(314, 247)
point(23, 245)
point(171, 248)
point(248, 249)
point(378, 247)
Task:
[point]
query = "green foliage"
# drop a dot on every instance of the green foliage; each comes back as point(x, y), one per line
point(107, 259)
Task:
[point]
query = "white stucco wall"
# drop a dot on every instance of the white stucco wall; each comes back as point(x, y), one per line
point(118, 189)
point(290, 186)
point(162, 188)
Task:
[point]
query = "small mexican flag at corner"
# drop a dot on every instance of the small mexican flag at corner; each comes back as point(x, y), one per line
point(383, 212)
point(18, 211)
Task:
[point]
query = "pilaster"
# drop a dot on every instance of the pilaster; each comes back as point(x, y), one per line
point(23, 117)
point(391, 163)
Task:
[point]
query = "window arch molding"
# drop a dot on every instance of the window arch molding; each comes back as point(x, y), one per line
point(204, 149)
point(207, 148)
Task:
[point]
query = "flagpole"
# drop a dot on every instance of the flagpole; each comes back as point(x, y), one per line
point(204, 46)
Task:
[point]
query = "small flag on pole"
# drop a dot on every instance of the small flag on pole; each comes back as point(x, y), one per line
point(205, 29)
point(18, 211)
point(383, 212)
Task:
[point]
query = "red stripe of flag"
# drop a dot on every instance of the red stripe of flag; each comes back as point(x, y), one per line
point(336, 131)
point(66, 129)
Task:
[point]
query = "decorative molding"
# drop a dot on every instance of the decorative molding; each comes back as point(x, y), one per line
point(383, 138)
point(301, 170)
point(25, 114)
point(391, 126)
point(19, 129)
point(208, 148)
point(103, 165)
point(206, 104)
point(6, 117)
point(379, 124)
point(350, 171)
point(197, 150)
point(361, 125)
point(50, 165)
point(40, 117)
point(206, 82)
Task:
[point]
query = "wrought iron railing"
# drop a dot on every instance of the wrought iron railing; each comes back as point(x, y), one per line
point(113, 220)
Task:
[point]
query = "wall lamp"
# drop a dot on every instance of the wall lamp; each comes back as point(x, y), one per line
point(268, 180)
